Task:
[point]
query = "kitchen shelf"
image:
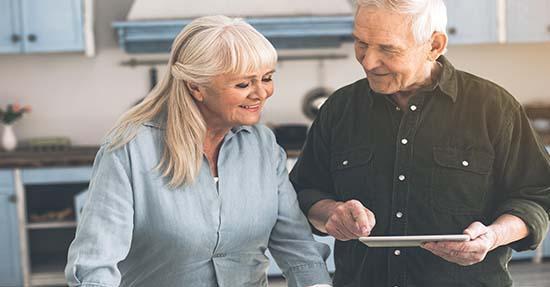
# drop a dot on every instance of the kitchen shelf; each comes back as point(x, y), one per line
point(49, 272)
point(283, 32)
point(48, 279)
point(48, 225)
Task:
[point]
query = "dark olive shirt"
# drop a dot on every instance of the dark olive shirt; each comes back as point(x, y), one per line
point(463, 151)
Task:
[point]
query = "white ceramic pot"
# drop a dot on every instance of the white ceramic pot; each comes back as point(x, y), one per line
point(9, 141)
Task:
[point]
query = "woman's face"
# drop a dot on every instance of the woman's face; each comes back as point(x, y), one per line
point(232, 100)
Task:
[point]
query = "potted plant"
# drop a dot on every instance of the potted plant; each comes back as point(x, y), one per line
point(7, 117)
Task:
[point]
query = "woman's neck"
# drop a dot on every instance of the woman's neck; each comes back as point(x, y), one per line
point(212, 144)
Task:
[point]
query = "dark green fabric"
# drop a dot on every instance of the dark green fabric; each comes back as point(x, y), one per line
point(471, 156)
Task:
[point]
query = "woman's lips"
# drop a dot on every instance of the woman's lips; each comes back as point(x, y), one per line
point(251, 108)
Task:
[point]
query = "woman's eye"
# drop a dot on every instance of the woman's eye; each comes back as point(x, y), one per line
point(242, 85)
point(267, 79)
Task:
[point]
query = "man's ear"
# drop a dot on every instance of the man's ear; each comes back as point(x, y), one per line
point(195, 91)
point(438, 45)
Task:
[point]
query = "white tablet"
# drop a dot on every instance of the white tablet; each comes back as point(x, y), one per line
point(409, 240)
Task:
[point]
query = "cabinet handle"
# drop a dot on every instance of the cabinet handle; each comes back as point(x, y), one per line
point(451, 31)
point(15, 38)
point(13, 198)
point(32, 38)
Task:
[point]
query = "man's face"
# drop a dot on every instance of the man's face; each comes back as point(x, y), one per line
point(388, 52)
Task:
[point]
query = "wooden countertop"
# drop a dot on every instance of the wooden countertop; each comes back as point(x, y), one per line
point(73, 156)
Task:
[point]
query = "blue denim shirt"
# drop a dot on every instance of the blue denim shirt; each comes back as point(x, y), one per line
point(135, 231)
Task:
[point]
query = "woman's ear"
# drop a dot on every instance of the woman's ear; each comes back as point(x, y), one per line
point(195, 91)
point(438, 45)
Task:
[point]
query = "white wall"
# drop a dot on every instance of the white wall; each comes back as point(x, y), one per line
point(81, 97)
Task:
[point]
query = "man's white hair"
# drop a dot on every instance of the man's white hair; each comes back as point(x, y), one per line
point(428, 16)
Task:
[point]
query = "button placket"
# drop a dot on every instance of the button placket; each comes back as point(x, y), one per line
point(398, 223)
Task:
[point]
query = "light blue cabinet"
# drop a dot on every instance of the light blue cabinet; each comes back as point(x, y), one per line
point(32, 26)
point(472, 21)
point(10, 264)
point(528, 21)
point(10, 38)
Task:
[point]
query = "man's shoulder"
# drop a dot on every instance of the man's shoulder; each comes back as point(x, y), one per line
point(485, 91)
point(351, 93)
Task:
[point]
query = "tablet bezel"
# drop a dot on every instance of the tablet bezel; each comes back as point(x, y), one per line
point(410, 240)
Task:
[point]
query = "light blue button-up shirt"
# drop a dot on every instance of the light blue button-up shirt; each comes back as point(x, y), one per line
point(135, 231)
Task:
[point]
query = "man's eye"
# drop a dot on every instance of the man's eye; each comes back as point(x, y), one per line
point(242, 85)
point(389, 50)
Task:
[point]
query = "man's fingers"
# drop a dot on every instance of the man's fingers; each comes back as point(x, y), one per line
point(363, 218)
point(475, 230)
point(335, 228)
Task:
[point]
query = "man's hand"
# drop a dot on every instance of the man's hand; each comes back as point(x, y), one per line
point(343, 220)
point(483, 240)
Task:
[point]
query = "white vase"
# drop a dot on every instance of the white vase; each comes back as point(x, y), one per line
point(9, 141)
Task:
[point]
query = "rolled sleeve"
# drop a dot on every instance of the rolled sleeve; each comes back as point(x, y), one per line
point(523, 175)
point(103, 235)
point(311, 176)
point(534, 216)
point(291, 243)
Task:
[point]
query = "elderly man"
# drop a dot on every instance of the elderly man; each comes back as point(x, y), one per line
point(417, 148)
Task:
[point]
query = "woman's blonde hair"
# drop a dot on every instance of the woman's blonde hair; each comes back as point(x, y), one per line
point(207, 47)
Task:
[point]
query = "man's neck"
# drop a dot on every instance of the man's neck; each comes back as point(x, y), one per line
point(401, 98)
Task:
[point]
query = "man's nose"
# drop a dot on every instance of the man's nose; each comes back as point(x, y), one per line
point(371, 60)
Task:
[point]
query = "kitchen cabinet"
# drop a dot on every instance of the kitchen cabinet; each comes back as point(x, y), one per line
point(9, 24)
point(472, 21)
point(33, 252)
point(33, 26)
point(528, 21)
point(10, 269)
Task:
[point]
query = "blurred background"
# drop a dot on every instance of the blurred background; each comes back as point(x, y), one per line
point(70, 68)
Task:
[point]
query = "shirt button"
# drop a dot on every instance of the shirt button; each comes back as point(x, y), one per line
point(401, 178)
point(413, 108)
point(345, 162)
point(397, 109)
point(399, 214)
point(465, 163)
point(404, 141)
point(397, 252)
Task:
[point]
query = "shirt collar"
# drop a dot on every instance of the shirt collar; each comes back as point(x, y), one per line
point(447, 80)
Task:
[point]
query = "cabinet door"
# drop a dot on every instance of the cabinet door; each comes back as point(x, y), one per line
point(10, 264)
point(528, 20)
point(472, 21)
point(10, 29)
point(52, 25)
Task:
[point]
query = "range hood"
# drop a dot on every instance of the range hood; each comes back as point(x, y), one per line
point(152, 25)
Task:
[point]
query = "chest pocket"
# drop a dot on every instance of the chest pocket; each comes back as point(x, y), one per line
point(353, 174)
point(460, 180)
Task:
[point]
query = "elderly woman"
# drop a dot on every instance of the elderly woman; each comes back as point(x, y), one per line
point(188, 190)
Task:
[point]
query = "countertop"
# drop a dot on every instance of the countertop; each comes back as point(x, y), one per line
point(72, 156)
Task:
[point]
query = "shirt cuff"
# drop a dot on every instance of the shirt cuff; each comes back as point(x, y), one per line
point(308, 275)
point(534, 216)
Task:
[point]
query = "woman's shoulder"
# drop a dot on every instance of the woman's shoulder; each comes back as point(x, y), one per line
point(262, 131)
